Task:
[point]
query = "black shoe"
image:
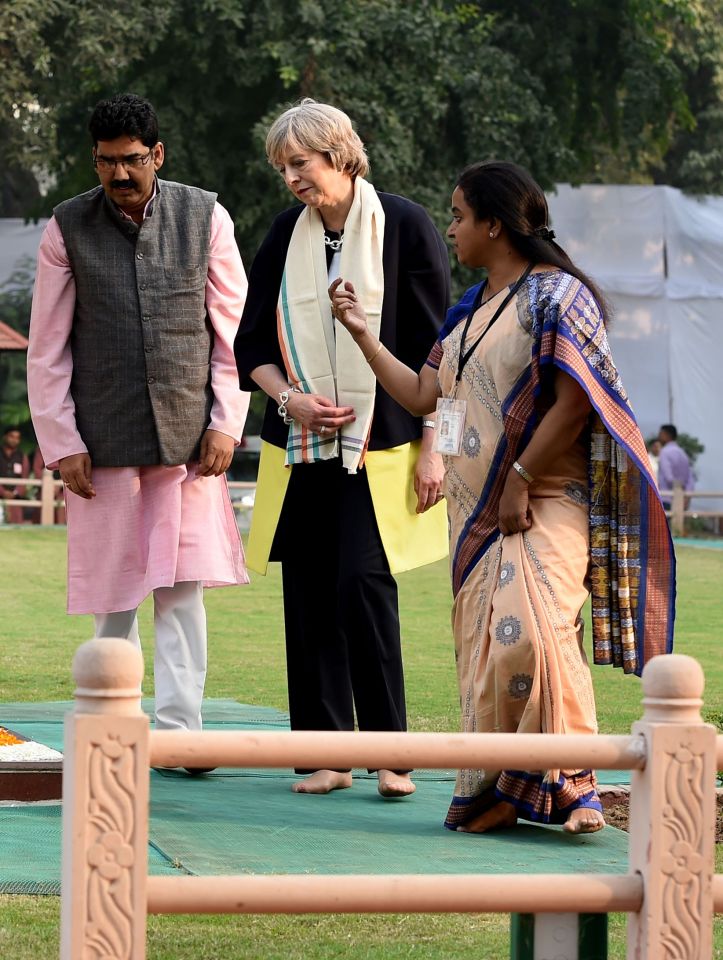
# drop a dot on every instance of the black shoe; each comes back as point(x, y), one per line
point(197, 771)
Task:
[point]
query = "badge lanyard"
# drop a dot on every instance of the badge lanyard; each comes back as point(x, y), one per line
point(464, 356)
point(451, 413)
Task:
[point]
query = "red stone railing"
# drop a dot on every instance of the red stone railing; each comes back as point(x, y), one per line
point(669, 892)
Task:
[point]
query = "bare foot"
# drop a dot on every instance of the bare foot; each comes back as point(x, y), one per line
point(395, 784)
point(584, 820)
point(323, 781)
point(497, 818)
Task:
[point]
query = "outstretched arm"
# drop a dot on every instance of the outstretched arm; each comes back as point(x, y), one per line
point(417, 392)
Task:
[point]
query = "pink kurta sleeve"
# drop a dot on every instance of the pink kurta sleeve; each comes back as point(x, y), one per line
point(50, 363)
point(225, 298)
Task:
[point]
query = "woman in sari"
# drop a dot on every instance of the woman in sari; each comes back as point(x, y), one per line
point(549, 495)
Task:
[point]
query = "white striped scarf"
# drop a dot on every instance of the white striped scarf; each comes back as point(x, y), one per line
point(320, 355)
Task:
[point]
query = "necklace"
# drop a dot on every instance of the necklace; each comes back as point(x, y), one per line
point(334, 245)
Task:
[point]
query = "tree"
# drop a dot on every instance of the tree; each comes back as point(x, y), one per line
point(571, 88)
point(694, 158)
point(55, 52)
point(574, 89)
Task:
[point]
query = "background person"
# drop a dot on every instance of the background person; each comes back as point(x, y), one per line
point(342, 469)
point(13, 463)
point(673, 463)
point(134, 396)
point(550, 456)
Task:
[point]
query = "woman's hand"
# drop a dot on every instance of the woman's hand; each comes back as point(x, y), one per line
point(346, 308)
point(428, 478)
point(514, 511)
point(318, 413)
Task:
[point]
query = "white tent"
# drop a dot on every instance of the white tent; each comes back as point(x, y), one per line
point(657, 254)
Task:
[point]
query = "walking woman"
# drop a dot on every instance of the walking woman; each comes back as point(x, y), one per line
point(549, 495)
point(348, 484)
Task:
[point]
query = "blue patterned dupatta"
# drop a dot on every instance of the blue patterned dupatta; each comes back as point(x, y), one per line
point(632, 559)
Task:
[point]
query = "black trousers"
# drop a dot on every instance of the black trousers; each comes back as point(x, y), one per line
point(343, 649)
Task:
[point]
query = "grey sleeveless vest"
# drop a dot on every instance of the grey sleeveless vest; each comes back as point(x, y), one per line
point(141, 340)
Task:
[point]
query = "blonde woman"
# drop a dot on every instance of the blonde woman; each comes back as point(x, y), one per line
point(349, 488)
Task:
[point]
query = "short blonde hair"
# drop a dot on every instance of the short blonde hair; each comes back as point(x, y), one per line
point(318, 126)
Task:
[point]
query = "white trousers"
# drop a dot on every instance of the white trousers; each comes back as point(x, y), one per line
point(179, 668)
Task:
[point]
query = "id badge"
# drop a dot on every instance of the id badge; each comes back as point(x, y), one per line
point(449, 426)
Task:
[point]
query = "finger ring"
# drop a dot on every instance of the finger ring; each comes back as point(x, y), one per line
point(322, 429)
point(440, 496)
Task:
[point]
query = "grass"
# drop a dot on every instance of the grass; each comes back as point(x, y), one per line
point(246, 663)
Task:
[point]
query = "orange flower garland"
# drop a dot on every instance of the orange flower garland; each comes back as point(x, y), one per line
point(7, 738)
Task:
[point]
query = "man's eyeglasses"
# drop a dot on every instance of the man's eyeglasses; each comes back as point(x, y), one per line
point(135, 161)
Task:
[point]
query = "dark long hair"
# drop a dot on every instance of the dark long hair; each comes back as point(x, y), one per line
point(508, 193)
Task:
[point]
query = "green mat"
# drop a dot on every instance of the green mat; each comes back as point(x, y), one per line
point(30, 850)
point(248, 821)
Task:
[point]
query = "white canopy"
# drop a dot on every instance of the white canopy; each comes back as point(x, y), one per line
point(657, 254)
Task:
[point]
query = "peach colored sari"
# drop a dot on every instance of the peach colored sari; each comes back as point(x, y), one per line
point(518, 635)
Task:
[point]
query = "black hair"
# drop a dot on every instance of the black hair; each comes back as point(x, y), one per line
point(510, 194)
point(670, 430)
point(124, 115)
point(12, 428)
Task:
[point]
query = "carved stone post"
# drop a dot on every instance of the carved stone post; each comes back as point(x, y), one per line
point(672, 816)
point(105, 807)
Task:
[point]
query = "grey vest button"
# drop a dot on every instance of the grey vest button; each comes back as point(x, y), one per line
point(142, 286)
point(151, 380)
point(139, 256)
point(148, 349)
point(146, 316)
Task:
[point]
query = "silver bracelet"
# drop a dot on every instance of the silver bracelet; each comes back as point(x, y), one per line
point(284, 398)
point(428, 423)
point(527, 477)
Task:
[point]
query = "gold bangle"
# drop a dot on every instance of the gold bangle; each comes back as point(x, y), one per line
point(375, 354)
point(527, 477)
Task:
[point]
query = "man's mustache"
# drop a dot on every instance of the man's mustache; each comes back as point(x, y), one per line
point(129, 182)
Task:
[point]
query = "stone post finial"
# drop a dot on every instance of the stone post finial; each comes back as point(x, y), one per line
point(673, 689)
point(108, 672)
point(105, 806)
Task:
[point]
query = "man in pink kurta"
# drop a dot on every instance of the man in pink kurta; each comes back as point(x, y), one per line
point(134, 397)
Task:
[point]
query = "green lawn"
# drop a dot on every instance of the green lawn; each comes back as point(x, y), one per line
point(247, 663)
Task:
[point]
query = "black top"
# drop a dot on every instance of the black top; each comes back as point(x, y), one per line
point(416, 296)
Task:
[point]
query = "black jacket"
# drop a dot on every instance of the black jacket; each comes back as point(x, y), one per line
point(416, 296)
